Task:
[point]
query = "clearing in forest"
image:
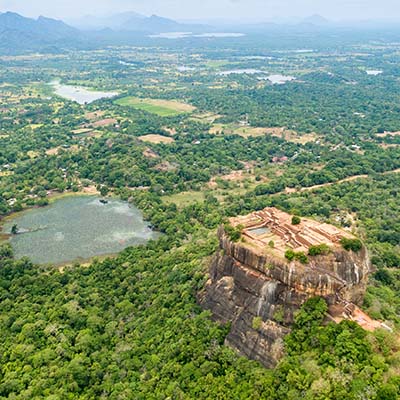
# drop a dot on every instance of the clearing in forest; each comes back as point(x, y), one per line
point(35, 126)
point(104, 122)
point(237, 129)
point(184, 198)
point(32, 154)
point(249, 131)
point(385, 134)
point(163, 108)
point(153, 138)
point(6, 173)
point(81, 131)
point(56, 150)
point(205, 117)
point(94, 115)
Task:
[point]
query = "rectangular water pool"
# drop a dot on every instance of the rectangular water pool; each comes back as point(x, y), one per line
point(260, 231)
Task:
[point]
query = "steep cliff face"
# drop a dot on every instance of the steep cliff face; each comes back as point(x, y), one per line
point(259, 293)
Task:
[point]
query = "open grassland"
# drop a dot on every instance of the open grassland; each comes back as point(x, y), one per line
point(219, 187)
point(184, 198)
point(35, 126)
point(56, 150)
point(205, 117)
point(385, 134)
point(163, 108)
point(152, 138)
point(249, 131)
point(237, 129)
point(32, 154)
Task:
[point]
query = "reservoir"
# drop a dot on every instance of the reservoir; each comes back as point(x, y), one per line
point(278, 79)
point(79, 94)
point(184, 35)
point(77, 228)
point(248, 71)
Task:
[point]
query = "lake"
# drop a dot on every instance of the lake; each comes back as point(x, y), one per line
point(220, 35)
point(183, 35)
point(183, 68)
point(248, 71)
point(80, 94)
point(279, 79)
point(77, 228)
point(275, 79)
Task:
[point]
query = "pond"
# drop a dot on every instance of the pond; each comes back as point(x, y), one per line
point(80, 94)
point(260, 231)
point(77, 228)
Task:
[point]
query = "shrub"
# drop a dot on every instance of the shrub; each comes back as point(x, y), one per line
point(6, 251)
point(299, 256)
point(290, 254)
point(42, 202)
point(233, 233)
point(351, 244)
point(320, 249)
point(257, 322)
point(279, 314)
point(296, 220)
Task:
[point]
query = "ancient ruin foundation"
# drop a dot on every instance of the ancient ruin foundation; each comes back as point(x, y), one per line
point(272, 225)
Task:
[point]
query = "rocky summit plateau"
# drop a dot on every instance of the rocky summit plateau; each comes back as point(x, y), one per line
point(258, 282)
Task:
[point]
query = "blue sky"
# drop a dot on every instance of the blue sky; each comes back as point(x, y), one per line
point(209, 9)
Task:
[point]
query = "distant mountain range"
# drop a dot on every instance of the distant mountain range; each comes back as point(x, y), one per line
point(134, 22)
point(115, 22)
point(317, 20)
point(20, 34)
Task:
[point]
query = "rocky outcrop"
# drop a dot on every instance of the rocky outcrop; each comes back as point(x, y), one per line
point(258, 293)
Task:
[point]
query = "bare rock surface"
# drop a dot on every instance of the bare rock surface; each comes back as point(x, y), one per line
point(258, 292)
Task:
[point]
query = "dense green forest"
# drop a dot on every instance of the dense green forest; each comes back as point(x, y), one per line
point(324, 145)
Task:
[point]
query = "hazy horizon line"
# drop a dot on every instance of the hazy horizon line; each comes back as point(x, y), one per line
point(226, 20)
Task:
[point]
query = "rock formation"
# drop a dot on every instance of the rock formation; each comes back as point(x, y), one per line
point(257, 290)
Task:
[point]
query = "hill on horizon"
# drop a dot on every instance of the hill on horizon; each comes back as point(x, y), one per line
point(20, 34)
point(134, 22)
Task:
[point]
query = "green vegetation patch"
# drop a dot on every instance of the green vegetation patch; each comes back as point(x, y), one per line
point(234, 233)
point(163, 108)
point(296, 220)
point(291, 255)
point(351, 244)
point(184, 198)
point(319, 249)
